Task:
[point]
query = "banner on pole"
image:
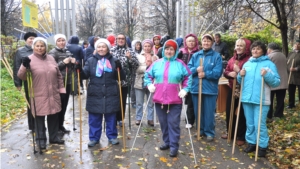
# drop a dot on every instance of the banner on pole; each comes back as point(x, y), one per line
point(29, 14)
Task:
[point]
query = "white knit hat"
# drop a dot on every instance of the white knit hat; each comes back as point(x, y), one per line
point(39, 39)
point(102, 40)
point(57, 36)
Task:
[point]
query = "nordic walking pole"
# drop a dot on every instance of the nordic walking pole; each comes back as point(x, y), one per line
point(34, 108)
point(28, 86)
point(73, 87)
point(129, 91)
point(291, 72)
point(121, 101)
point(199, 104)
point(80, 113)
point(238, 116)
point(9, 70)
point(141, 122)
point(259, 119)
point(187, 121)
point(231, 109)
point(66, 77)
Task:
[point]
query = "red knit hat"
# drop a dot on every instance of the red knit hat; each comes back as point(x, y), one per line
point(171, 43)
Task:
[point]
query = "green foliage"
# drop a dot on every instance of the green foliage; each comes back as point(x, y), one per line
point(12, 102)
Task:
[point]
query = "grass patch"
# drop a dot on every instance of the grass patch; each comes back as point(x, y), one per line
point(12, 102)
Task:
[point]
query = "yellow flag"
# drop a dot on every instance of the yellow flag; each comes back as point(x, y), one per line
point(29, 14)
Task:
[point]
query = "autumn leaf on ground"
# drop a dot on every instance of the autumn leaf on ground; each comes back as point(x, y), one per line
point(119, 157)
point(163, 159)
point(139, 163)
point(55, 157)
point(169, 165)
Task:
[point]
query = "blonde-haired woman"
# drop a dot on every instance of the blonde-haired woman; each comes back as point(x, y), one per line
point(47, 85)
point(241, 55)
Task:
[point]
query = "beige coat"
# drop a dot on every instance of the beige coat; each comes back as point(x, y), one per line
point(47, 84)
point(295, 76)
point(279, 59)
point(140, 71)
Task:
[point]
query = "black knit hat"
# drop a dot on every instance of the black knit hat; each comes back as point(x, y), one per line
point(28, 34)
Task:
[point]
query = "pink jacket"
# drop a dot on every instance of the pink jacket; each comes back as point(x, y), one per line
point(47, 84)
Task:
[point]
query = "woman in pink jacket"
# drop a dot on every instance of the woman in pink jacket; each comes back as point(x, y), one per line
point(47, 85)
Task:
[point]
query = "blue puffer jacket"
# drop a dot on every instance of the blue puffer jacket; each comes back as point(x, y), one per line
point(103, 92)
point(75, 49)
point(252, 80)
point(212, 64)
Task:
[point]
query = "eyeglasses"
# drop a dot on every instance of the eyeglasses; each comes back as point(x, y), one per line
point(120, 38)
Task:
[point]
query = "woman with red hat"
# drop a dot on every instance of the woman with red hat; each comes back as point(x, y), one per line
point(164, 78)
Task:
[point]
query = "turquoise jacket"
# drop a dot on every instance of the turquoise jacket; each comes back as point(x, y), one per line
point(252, 80)
point(167, 75)
point(213, 69)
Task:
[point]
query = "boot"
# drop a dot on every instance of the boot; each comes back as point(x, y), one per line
point(250, 148)
point(262, 152)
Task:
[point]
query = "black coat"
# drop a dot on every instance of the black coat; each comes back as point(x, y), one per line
point(75, 49)
point(103, 94)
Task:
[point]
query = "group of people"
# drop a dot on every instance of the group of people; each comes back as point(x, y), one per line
point(165, 73)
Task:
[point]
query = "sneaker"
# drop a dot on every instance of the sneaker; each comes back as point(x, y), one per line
point(151, 123)
point(114, 141)
point(92, 143)
point(224, 136)
point(173, 153)
point(240, 142)
point(209, 138)
point(188, 126)
point(164, 147)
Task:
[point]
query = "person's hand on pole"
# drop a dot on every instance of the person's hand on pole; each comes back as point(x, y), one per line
point(118, 64)
point(151, 88)
point(236, 68)
point(243, 72)
point(26, 62)
point(200, 69)
point(66, 60)
point(128, 55)
point(263, 72)
point(73, 60)
point(232, 74)
point(201, 75)
point(182, 93)
point(19, 88)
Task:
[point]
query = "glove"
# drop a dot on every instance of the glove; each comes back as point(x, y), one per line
point(151, 88)
point(73, 60)
point(118, 64)
point(182, 93)
point(26, 62)
point(77, 66)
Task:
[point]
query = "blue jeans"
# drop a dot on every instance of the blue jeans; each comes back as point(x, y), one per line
point(140, 95)
point(208, 106)
point(252, 115)
point(95, 124)
point(170, 123)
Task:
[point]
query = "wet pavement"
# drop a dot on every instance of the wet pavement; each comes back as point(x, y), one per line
point(17, 148)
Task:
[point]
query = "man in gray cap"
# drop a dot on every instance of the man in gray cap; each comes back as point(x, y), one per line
point(21, 53)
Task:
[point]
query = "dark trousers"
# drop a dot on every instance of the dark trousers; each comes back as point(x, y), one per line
point(280, 95)
point(292, 93)
point(124, 98)
point(95, 124)
point(132, 91)
point(190, 109)
point(30, 117)
point(241, 131)
point(64, 103)
point(169, 123)
point(52, 122)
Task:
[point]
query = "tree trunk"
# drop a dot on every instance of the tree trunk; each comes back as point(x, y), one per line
point(284, 38)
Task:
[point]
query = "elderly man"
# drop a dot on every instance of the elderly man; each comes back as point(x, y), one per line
point(21, 53)
point(279, 59)
point(294, 70)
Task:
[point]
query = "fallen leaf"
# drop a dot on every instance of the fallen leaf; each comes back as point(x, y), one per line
point(169, 165)
point(139, 163)
point(119, 157)
point(163, 159)
point(55, 157)
point(63, 165)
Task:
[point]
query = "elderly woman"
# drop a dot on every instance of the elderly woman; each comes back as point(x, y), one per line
point(210, 72)
point(185, 54)
point(240, 56)
point(164, 78)
point(145, 60)
point(258, 66)
point(103, 97)
point(47, 85)
point(65, 63)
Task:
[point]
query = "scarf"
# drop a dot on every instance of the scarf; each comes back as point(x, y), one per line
point(103, 65)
